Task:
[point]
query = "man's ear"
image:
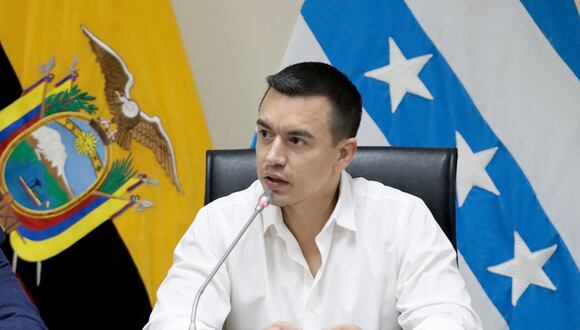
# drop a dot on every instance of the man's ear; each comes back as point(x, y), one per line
point(346, 151)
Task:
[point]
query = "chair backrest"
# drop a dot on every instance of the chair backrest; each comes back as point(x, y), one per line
point(428, 173)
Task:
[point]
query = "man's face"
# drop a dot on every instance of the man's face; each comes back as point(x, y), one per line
point(294, 151)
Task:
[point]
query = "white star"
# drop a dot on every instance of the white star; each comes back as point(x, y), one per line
point(471, 169)
point(402, 75)
point(525, 268)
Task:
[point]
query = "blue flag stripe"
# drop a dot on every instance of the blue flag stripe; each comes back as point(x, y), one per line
point(44, 234)
point(354, 37)
point(560, 23)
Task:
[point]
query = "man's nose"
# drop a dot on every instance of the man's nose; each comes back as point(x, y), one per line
point(276, 155)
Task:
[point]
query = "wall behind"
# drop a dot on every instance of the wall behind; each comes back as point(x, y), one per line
point(232, 46)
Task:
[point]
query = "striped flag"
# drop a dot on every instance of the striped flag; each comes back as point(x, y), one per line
point(499, 81)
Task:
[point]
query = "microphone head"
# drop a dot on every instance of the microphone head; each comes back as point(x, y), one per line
point(264, 200)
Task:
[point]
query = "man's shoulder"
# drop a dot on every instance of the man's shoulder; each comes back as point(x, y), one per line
point(389, 211)
point(225, 215)
point(237, 201)
point(237, 197)
point(370, 190)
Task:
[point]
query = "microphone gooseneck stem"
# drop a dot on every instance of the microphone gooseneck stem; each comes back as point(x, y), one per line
point(263, 203)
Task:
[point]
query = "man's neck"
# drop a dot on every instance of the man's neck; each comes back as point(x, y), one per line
point(306, 219)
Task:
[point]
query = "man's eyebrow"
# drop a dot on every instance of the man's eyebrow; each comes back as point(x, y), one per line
point(301, 133)
point(297, 133)
point(260, 122)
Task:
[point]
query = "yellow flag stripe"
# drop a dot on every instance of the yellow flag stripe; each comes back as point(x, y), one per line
point(24, 104)
point(31, 250)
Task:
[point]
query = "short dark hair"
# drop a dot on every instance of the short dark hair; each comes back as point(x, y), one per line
point(321, 79)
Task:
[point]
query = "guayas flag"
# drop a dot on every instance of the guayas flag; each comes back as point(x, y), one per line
point(106, 275)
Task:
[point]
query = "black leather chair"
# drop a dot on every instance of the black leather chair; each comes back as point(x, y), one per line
point(428, 173)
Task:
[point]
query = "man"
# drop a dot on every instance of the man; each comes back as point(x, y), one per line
point(16, 311)
point(332, 252)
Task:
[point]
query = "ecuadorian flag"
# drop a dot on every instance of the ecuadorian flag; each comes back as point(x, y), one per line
point(110, 276)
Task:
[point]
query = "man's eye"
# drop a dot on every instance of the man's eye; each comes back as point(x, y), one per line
point(296, 141)
point(263, 133)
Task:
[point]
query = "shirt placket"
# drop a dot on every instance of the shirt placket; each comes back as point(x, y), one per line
point(313, 300)
point(312, 303)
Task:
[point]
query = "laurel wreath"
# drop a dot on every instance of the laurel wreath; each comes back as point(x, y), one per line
point(121, 171)
point(71, 100)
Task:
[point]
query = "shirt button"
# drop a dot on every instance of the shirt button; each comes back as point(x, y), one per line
point(311, 305)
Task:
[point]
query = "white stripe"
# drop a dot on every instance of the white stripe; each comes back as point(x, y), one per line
point(304, 47)
point(490, 316)
point(369, 133)
point(523, 89)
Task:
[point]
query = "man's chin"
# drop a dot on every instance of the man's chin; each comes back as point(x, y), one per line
point(279, 201)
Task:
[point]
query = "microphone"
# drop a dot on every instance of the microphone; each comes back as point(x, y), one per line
point(263, 202)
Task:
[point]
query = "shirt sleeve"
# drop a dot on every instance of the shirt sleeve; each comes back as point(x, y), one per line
point(16, 311)
point(195, 256)
point(430, 290)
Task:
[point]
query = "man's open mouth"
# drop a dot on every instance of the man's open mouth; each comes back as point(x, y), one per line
point(275, 179)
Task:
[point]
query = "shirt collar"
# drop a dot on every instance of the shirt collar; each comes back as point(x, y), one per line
point(272, 218)
point(343, 213)
point(344, 209)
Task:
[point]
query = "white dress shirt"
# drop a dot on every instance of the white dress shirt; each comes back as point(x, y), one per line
point(386, 264)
